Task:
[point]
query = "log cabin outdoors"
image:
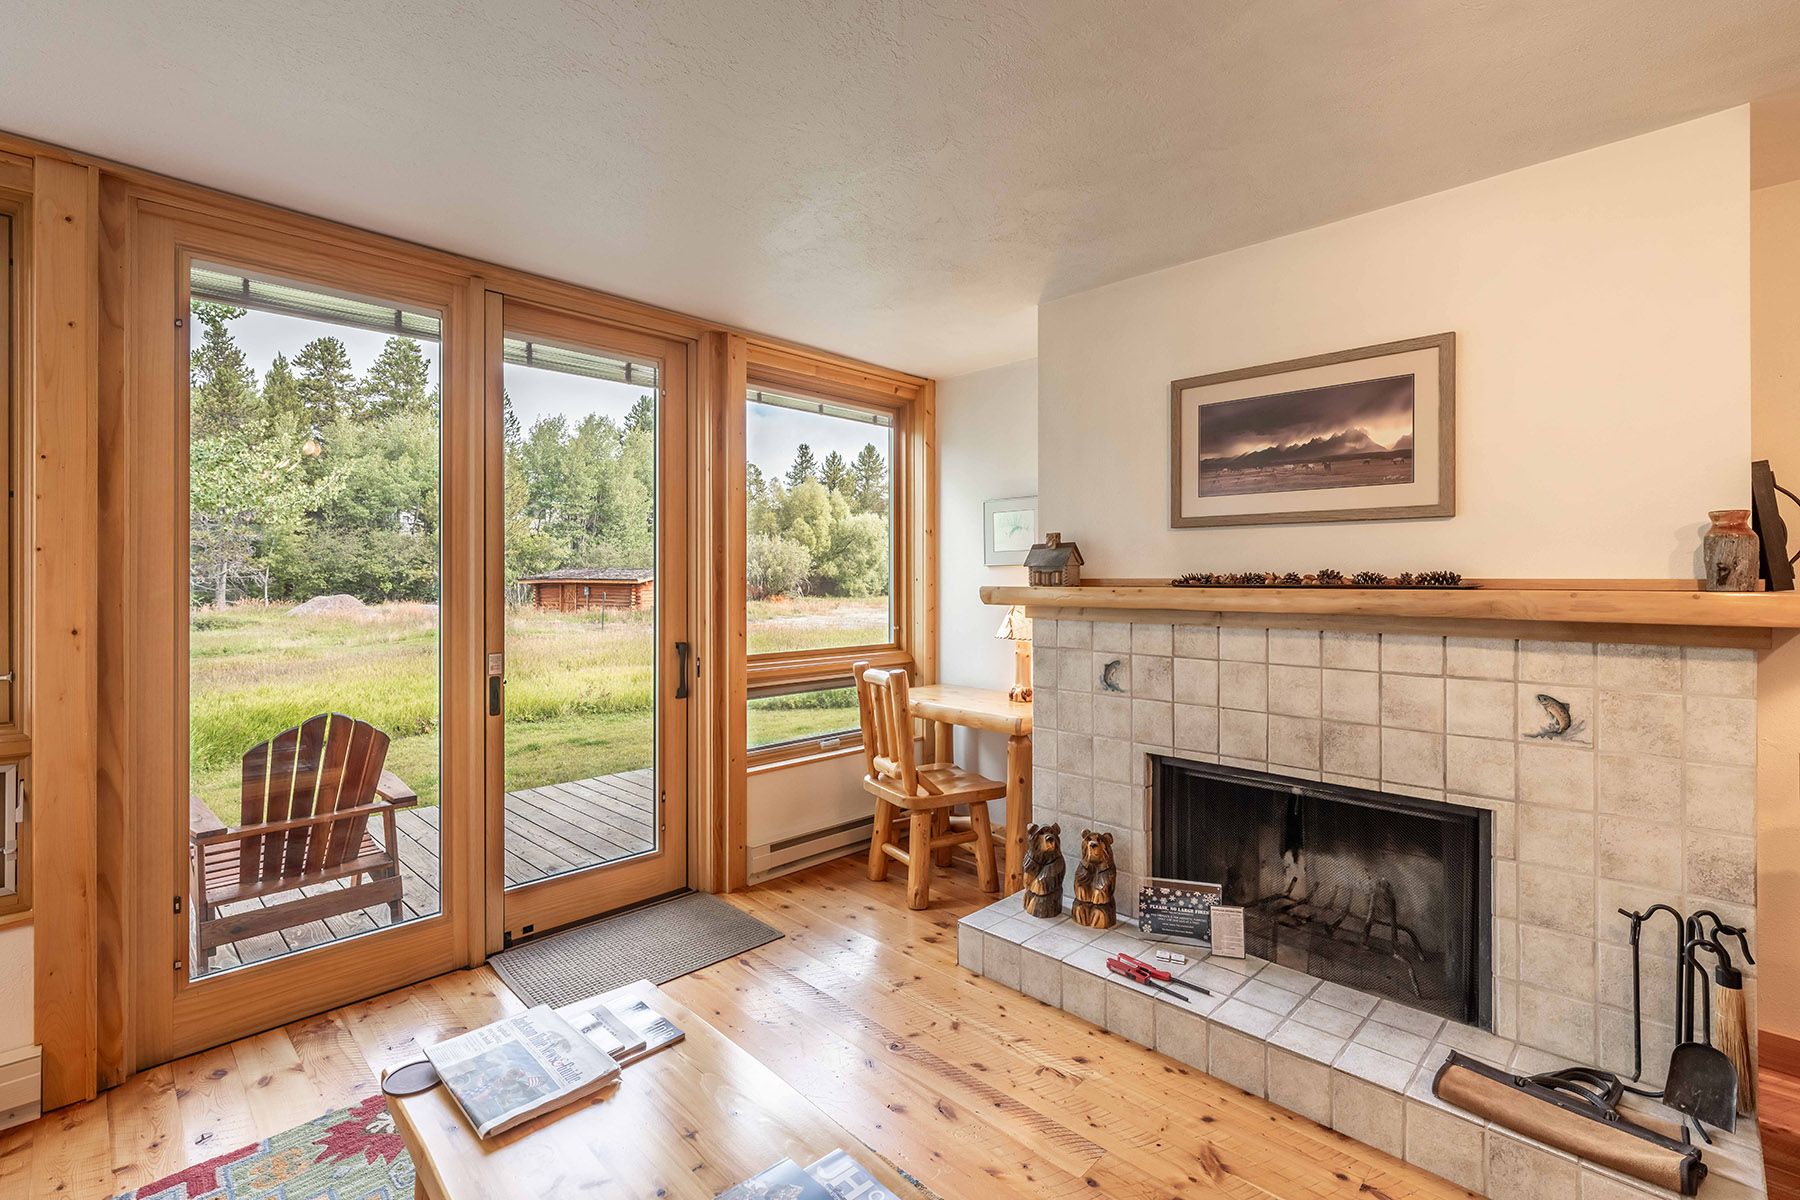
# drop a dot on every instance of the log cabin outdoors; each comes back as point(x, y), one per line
point(499, 684)
point(573, 589)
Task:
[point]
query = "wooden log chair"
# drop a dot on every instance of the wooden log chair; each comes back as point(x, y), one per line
point(307, 798)
point(924, 793)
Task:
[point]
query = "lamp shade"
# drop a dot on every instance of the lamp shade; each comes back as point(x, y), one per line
point(1016, 627)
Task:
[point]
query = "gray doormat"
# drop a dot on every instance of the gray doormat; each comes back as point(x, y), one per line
point(658, 943)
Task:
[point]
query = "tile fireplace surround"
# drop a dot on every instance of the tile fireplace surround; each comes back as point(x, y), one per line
point(1647, 795)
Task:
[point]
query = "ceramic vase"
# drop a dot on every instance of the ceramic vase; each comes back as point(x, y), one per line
point(1732, 552)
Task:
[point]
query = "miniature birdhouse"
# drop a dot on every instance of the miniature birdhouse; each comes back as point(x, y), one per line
point(1054, 563)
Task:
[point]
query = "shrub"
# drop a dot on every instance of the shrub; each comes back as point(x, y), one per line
point(776, 566)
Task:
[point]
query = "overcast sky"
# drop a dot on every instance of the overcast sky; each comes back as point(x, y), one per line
point(771, 434)
point(1381, 408)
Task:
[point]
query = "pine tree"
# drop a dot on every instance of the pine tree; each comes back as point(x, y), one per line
point(805, 466)
point(871, 474)
point(221, 385)
point(327, 382)
point(835, 474)
point(642, 415)
point(398, 382)
point(509, 420)
point(281, 391)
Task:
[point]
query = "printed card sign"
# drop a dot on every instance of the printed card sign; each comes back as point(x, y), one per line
point(1176, 908)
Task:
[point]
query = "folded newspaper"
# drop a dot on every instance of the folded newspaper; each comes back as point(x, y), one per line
point(627, 1031)
point(509, 1072)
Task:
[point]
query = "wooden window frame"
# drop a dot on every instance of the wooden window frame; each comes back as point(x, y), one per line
point(15, 344)
point(912, 553)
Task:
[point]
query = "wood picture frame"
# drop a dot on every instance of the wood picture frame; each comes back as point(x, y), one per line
point(1284, 431)
point(994, 552)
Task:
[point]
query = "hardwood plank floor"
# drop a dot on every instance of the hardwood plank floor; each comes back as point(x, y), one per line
point(1778, 1112)
point(977, 1090)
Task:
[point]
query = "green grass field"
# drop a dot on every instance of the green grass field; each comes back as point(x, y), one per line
point(578, 693)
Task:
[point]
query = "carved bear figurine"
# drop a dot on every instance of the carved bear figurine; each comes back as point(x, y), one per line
point(1094, 879)
point(1044, 868)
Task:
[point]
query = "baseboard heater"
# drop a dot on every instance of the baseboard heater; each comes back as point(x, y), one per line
point(803, 850)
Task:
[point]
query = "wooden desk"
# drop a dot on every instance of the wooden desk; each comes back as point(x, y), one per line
point(685, 1123)
point(942, 705)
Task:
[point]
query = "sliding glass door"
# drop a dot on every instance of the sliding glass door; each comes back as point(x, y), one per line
point(308, 594)
point(587, 602)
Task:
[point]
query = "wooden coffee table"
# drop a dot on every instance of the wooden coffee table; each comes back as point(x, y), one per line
point(686, 1122)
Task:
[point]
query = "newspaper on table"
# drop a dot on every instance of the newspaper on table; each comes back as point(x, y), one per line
point(511, 1071)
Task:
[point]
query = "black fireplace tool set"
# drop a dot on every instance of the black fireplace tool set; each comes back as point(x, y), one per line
point(1703, 1082)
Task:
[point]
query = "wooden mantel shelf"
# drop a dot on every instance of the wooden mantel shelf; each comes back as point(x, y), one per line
point(1543, 610)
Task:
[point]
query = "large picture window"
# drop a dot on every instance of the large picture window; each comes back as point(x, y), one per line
point(821, 583)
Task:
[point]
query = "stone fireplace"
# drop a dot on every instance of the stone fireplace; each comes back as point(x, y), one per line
point(1547, 783)
point(1390, 895)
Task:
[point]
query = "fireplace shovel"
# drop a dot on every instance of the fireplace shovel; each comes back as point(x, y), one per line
point(1702, 1081)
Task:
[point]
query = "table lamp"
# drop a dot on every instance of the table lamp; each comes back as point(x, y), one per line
point(1016, 628)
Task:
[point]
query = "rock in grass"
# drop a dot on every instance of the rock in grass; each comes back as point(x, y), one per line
point(337, 605)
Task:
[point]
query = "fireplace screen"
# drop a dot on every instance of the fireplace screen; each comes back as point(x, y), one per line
point(1385, 894)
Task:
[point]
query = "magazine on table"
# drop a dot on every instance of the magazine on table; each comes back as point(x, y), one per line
point(837, 1176)
point(626, 1031)
point(504, 1074)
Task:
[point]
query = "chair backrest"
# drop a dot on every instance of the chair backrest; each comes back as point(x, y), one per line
point(882, 698)
point(327, 763)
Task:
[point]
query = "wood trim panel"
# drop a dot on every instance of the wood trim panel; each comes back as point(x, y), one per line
point(734, 373)
point(1778, 1052)
point(491, 870)
point(115, 877)
point(17, 171)
point(921, 513)
point(709, 709)
point(1687, 610)
point(65, 423)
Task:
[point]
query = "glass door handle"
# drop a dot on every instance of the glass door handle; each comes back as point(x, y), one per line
point(494, 695)
point(681, 670)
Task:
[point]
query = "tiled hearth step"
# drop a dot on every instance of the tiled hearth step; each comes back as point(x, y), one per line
point(1356, 1063)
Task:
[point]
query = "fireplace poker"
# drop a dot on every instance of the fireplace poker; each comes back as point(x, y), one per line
point(1638, 921)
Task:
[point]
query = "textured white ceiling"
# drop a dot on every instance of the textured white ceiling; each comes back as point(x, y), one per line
point(901, 180)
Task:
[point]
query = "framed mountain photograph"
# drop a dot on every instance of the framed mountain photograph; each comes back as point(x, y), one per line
point(1360, 435)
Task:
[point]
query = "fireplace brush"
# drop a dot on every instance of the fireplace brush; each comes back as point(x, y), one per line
point(1733, 1032)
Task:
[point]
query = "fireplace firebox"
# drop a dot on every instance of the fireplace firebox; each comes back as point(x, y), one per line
point(1387, 894)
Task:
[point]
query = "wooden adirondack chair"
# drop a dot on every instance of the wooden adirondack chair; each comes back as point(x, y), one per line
point(308, 795)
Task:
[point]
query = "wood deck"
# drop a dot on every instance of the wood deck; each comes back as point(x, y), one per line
point(549, 830)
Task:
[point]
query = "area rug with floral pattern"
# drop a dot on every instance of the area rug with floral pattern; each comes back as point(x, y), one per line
point(351, 1154)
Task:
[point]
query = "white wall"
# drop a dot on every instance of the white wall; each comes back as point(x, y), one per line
point(987, 450)
point(1601, 306)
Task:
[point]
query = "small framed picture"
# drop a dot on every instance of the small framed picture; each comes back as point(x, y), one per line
point(1010, 530)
